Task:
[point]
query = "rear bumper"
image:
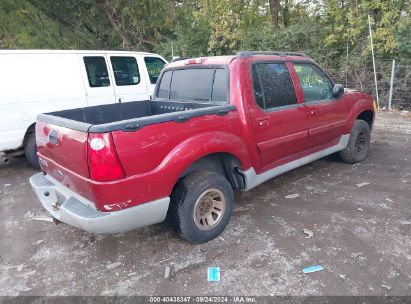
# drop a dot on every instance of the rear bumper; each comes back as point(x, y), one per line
point(68, 207)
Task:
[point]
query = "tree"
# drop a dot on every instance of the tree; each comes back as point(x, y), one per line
point(274, 8)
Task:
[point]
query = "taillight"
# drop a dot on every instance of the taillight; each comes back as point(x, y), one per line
point(103, 161)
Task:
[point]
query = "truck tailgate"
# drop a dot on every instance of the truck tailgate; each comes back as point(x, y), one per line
point(67, 148)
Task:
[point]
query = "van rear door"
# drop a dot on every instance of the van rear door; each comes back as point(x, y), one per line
point(98, 82)
point(129, 85)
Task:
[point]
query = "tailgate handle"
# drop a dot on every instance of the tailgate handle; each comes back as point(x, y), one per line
point(182, 118)
point(133, 127)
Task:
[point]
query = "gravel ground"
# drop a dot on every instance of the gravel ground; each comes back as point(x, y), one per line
point(360, 217)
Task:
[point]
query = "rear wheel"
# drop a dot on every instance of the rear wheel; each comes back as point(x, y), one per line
point(30, 150)
point(358, 144)
point(201, 206)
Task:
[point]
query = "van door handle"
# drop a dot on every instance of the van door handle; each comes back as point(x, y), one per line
point(314, 112)
point(263, 122)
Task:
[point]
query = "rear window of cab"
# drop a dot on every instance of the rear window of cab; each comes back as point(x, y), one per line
point(194, 85)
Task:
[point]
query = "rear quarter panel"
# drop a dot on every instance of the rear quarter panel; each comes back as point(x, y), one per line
point(173, 146)
point(154, 157)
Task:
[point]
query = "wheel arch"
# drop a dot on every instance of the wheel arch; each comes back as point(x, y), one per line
point(224, 163)
point(367, 116)
point(30, 130)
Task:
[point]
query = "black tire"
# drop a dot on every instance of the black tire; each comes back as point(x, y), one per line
point(195, 190)
point(358, 144)
point(30, 150)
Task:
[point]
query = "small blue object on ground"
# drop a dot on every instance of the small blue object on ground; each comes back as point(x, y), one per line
point(313, 269)
point(213, 274)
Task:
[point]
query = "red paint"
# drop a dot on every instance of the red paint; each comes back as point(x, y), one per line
point(153, 158)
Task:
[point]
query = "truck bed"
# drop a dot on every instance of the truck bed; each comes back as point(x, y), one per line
point(130, 116)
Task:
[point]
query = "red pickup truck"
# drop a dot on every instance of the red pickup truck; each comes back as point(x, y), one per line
point(213, 125)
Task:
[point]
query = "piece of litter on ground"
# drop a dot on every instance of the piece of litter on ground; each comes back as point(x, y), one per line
point(360, 209)
point(18, 267)
point(166, 272)
point(389, 200)
point(295, 195)
point(113, 265)
point(213, 274)
point(42, 218)
point(362, 184)
point(7, 185)
point(342, 276)
point(26, 274)
point(241, 209)
point(38, 242)
point(386, 287)
point(309, 234)
point(313, 269)
point(165, 260)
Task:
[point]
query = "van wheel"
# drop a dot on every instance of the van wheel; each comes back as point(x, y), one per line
point(202, 204)
point(358, 144)
point(30, 150)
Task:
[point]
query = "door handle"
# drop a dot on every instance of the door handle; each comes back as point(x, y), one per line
point(313, 112)
point(263, 123)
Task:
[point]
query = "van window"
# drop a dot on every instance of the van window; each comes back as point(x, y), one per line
point(154, 66)
point(125, 70)
point(194, 84)
point(97, 73)
point(273, 86)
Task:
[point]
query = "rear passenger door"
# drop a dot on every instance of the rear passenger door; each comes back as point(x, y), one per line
point(326, 114)
point(279, 122)
point(97, 81)
point(129, 85)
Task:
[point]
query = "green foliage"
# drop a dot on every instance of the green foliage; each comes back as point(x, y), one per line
point(325, 29)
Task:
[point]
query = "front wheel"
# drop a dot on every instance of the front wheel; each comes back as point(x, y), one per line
point(358, 144)
point(201, 206)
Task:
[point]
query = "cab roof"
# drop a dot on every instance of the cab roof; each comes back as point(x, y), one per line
point(226, 60)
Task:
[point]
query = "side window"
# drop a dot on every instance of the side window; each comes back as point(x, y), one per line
point(314, 83)
point(272, 85)
point(154, 66)
point(97, 73)
point(125, 70)
point(220, 86)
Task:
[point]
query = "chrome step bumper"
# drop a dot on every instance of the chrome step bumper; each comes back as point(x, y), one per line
point(68, 207)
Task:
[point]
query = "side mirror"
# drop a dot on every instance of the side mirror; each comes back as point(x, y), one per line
point(338, 90)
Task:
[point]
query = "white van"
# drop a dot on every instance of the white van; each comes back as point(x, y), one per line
point(34, 82)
